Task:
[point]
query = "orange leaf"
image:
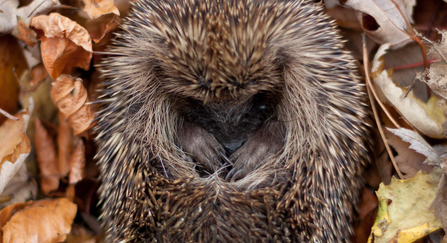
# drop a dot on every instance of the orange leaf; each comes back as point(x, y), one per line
point(43, 221)
point(64, 144)
point(65, 44)
point(14, 147)
point(70, 97)
point(46, 158)
point(96, 8)
point(77, 163)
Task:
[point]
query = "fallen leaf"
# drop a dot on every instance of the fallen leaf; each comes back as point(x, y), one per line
point(7, 212)
point(15, 146)
point(77, 163)
point(64, 145)
point(11, 59)
point(38, 74)
point(43, 221)
point(98, 28)
point(404, 214)
point(46, 158)
point(382, 21)
point(425, 117)
point(20, 188)
point(96, 8)
point(8, 16)
point(24, 33)
point(65, 44)
point(70, 97)
point(439, 203)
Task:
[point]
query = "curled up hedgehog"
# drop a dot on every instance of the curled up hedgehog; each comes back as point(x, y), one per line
point(230, 121)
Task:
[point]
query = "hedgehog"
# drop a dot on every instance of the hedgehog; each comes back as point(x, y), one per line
point(230, 121)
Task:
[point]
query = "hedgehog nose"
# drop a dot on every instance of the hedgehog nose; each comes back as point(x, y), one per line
point(232, 146)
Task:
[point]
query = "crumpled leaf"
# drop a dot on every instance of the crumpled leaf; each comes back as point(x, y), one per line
point(15, 146)
point(70, 97)
point(439, 203)
point(404, 214)
point(425, 117)
point(96, 8)
point(43, 221)
point(382, 21)
point(9, 13)
point(65, 44)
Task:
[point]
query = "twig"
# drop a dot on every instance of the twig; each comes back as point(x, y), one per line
point(369, 88)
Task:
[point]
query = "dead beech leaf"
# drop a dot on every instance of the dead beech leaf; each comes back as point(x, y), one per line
point(24, 33)
point(96, 8)
point(43, 221)
point(404, 214)
point(46, 158)
point(70, 97)
point(15, 146)
point(98, 28)
point(77, 163)
point(38, 74)
point(8, 16)
point(439, 204)
point(65, 44)
point(20, 188)
point(411, 155)
point(425, 117)
point(382, 21)
point(64, 144)
point(7, 212)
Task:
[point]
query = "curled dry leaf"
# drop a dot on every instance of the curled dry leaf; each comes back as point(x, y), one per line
point(70, 97)
point(15, 146)
point(24, 33)
point(77, 163)
point(98, 28)
point(20, 188)
point(65, 44)
point(46, 158)
point(38, 74)
point(8, 212)
point(96, 8)
point(382, 20)
point(425, 117)
point(43, 221)
point(404, 214)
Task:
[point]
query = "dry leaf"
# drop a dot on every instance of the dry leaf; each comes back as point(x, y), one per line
point(382, 20)
point(98, 28)
point(11, 59)
point(20, 188)
point(77, 163)
point(15, 146)
point(65, 44)
point(38, 74)
point(43, 221)
point(8, 16)
point(24, 33)
point(64, 144)
point(404, 214)
point(439, 203)
point(70, 97)
point(96, 8)
point(425, 117)
point(409, 159)
point(8, 212)
point(46, 158)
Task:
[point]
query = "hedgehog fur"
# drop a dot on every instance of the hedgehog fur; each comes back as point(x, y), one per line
point(230, 121)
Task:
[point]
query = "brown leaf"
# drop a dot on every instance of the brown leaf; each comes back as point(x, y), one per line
point(98, 28)
point(24, 33)
point(46, 158)
point(96, 8)
point(77, 163)
point(43, 221)
point(408, 160)
point(11, 59)
point(439, 203)
point(70, 97)
point(8, 212)
point(64, 144)
point(65, 44)
point(14, 147)
point(38, 74)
